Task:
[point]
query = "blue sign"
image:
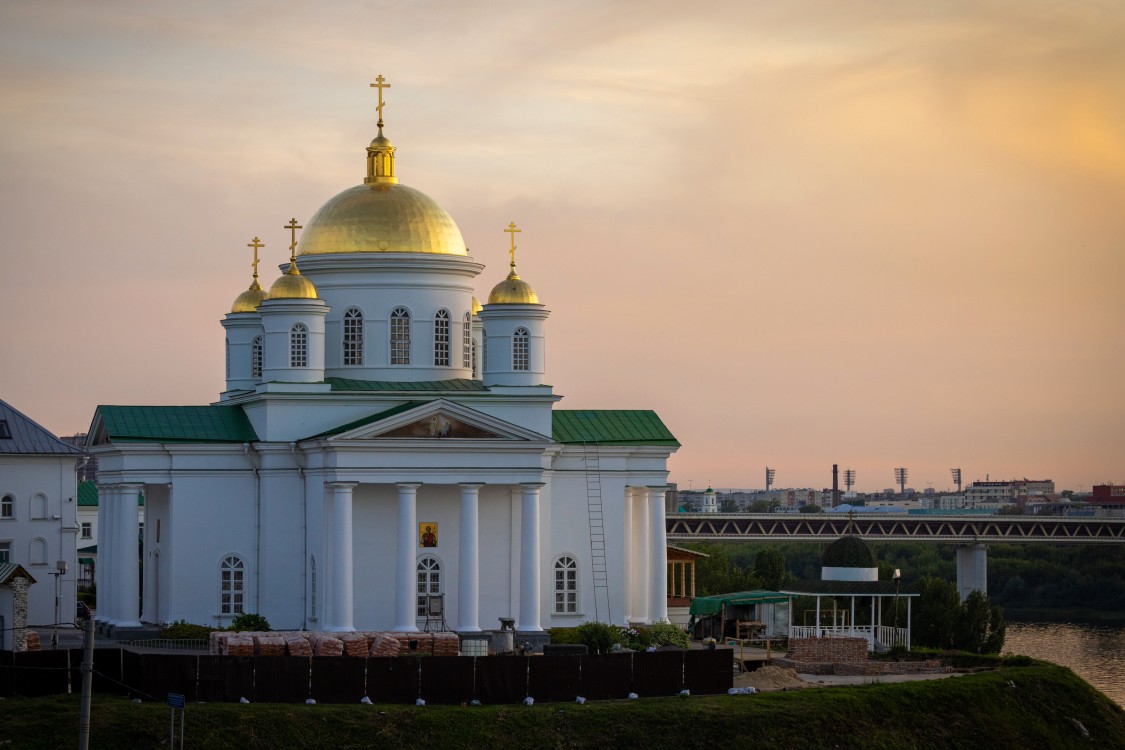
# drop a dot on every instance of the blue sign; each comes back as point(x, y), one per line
point(175, 700)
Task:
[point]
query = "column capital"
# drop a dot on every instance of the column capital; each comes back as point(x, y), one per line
point(341, 485)
point(408, 485)
point(532, 485)
point(657, 487)
point(471, 484)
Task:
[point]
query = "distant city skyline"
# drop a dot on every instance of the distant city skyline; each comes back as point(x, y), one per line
point(878, 235)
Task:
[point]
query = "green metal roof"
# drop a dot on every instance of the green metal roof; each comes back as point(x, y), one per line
point(87, 495)
point(177, 424)
point(610, 427)
point(702, 606)
point(453, 384)
point(8, 571)
point(368, 420)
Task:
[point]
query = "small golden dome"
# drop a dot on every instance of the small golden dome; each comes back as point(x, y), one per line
point(476, 306)
point(513, 291)
point(249, 300)
point(292, 285)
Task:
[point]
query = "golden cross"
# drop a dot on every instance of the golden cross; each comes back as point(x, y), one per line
point(380, 84)
point(512, 231)
point(293, 226)
point(256, 244)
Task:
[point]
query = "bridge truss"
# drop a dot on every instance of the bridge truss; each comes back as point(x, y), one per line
point(684, 527)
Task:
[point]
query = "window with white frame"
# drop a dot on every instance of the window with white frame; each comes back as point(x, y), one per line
point(87, 530)
point(400, 336)
point(441, 339)
point(353, 337)
point(232, 590)
point(467, 342)
point(299, 345)
point(38, 551)
point(429, 581)
point(8, 506)
point(520, 346)
point(566, 586)
point(6, 551)
point(256, 357)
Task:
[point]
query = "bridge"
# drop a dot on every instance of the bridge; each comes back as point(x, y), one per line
point(970, 533)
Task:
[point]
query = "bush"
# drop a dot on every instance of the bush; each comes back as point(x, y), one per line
point(665, 633)
point(249, 622)
point(181, 629)
point(596, 636)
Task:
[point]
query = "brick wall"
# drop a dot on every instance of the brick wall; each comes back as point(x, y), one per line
point(830, 650)
point(19, 586)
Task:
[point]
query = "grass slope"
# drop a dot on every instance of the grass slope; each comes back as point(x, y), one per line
point(974, 711)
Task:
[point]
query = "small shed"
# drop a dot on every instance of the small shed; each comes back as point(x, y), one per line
point(748, 614)
point(14, 583)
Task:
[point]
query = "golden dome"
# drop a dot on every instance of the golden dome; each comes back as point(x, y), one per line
point(292, 285)
point(382, 218)
point(249, 300)
point(476, 306)
point(513, 291)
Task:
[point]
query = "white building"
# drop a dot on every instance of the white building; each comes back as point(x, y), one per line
point(37, 512)
point(383, 438)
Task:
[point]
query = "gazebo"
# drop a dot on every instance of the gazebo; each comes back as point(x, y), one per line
point(850, 573)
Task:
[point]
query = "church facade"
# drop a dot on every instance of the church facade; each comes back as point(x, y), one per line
point(387, 452)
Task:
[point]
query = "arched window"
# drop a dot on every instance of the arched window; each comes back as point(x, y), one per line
point(429, 581)
point(256, 357)
point(353, 337)
point(228, 359)
point(38, 505)
point(232, 579)
point(467, 342)
point(441, 339)
point(38, 551)
point(8, 506)
point(520, 348)
point(299, 345)
point(400, 336)
point(566, 586)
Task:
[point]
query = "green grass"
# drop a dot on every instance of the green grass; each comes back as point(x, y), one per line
point(974, 711)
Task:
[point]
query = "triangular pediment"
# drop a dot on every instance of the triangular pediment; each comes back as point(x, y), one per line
point(438, 420)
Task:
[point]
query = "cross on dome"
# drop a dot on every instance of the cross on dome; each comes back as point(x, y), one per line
point(293, 226)
point(512, 251)
point(257, 244)
point(379, 85)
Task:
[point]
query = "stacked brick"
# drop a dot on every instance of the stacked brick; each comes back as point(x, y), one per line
point(304, 643)
point(846, 656)
point(834, 650)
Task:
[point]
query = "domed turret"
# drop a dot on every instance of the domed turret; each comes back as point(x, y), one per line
point(849, 558)
point(292, 285)
point(513, 291)
point(248, 301)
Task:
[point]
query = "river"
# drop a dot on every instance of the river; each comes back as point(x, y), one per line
point(1095, 653)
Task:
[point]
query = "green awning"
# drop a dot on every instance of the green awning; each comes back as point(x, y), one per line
point(85, 561)
point(702, 606)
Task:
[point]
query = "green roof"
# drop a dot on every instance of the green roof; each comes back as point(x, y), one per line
point(610, 427)
point(368, 420)
point(702, 606)
point(453, 384)
point(87, 494)
point(176, 424)
point(8, 571)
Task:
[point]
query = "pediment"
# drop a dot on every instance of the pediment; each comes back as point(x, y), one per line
point(439, 420)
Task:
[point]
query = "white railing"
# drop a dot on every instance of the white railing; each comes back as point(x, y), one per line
point(884, 634)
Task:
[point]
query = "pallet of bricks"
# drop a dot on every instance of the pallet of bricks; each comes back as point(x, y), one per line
point(307, 643)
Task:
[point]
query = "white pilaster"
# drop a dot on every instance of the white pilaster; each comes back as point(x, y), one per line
point(340, 617)
point(102, 571)
point(529, 558)
point(468, 569)
point(627, 555)
point(127, 598)
point(658, 596)
point(642, 608)
point(406, 585)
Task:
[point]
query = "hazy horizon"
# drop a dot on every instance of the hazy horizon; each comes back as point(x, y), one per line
point(871, 234)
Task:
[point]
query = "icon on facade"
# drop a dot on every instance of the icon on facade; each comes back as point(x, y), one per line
point(427, 534)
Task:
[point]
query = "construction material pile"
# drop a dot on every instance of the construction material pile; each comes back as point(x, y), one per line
point(306, 643)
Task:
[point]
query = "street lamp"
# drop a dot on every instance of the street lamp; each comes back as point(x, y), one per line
point(898, 580)
point(60, 571)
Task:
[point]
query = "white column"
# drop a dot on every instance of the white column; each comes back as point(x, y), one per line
point(642, 608)
point(627, 555)
point(103, 570)
point(406, 584)
point(658, 599)
point(972, 570)
point(468, 568)
point(128, 579)
point(341, 613)
point(529, 558)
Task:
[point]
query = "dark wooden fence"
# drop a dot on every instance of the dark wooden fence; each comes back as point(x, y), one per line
point(403, 679)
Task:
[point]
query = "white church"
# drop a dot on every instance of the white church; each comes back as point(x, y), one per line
point(387, 452)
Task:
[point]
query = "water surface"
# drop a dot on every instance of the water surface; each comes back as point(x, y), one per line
point(1096, 653)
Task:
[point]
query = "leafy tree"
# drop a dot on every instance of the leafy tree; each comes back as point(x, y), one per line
point(718, 574)
point(688, 506)
point(981, 627)
point(728, 505)
point(769, 565)
point(247, 622)
point(935, 614)
point(810, 508)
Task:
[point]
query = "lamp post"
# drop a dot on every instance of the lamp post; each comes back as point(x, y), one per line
point(60, 570)
point(898, 580)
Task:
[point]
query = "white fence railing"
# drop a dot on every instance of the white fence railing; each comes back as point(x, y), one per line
point(884, 634)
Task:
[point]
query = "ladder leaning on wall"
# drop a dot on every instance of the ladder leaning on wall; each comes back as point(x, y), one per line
point(597, 531)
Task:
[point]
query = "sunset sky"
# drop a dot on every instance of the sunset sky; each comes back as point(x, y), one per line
point(876, 234)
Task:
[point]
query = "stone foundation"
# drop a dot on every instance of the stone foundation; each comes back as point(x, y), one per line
point(846, 657)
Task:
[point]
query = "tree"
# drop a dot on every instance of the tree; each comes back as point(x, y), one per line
point(728, 505)
point(769, 565)
point(935, 614)
point(810, 508)
point(718, 574)
point(688, 506)
point(981, 627)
